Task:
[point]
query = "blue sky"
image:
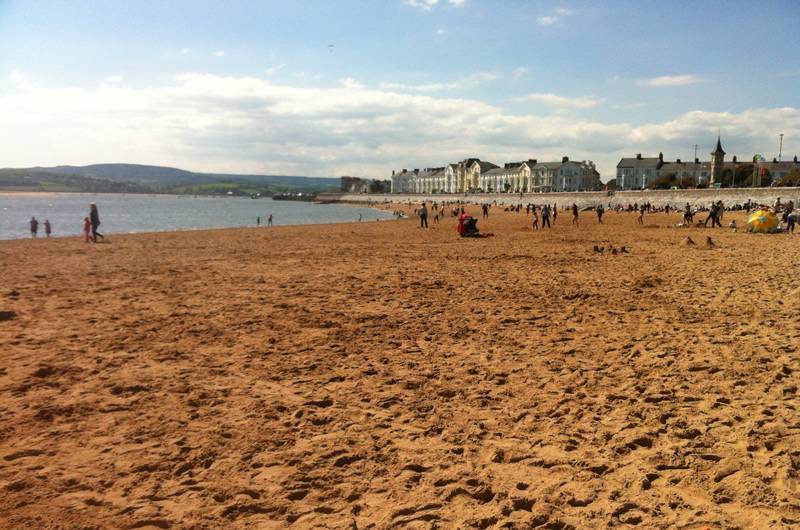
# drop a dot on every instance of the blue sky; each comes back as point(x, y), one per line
point(328, 88)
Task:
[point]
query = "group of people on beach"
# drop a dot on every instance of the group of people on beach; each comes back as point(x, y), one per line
point(269, 220)
point(546, 215)
point(90, 226)
point(35, 227)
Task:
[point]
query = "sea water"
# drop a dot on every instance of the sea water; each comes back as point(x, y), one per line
point(130, 213)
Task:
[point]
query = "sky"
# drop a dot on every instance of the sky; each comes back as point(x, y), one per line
point(337, 87)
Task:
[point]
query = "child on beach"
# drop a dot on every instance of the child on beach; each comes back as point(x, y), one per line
point(535, 218)
point(87, 226)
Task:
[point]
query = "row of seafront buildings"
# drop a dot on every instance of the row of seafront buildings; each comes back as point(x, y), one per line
point(640, 173)
point(476, 175)
point(532, 176)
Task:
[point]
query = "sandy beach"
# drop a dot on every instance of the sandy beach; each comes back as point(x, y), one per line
point(377, 375)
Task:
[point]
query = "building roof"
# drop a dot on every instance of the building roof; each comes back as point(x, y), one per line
point(549, 165)
point(485, 166)
point(675, 167)
point(501, 171)
point(718, 149)
point(644, 163)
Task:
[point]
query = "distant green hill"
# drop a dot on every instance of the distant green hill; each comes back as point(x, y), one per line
point(131, 178)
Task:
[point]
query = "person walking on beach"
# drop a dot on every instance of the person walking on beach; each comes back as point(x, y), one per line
point(546, 216)
point(34, 227)
point(712, 215)
point(47, 229)
point(485, 208)
point(87, 227)
point(600, 212)
point(535, 219)
point(423, 216)
point(258, 221)
point(555, 213)
point(574, 214)
point(640, 219)
point(269, 220)
point(94, 217)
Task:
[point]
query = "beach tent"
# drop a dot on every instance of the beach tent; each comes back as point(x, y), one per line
point(762, 222)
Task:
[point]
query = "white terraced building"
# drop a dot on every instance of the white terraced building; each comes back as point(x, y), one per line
point(473, 174)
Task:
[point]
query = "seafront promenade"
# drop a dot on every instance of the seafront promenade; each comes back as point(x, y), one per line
point(658, 198)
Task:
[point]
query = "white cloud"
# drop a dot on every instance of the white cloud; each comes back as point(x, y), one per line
point(274, 69)
point(550, 20)
point(219, 53)
point(465, 82)
point(554, 100)
point(20, 80)
point(185, 51)
point(431, 87)
point(486, 76)
point(670, 80)
point(114, 79)
point(206, 122)
point(440, 31)
point(546, 20)
point(520, 72)
point(425, 5)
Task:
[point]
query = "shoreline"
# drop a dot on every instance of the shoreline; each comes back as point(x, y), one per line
point(210, 229)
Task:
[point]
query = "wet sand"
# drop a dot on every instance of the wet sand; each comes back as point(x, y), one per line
point(375, 375)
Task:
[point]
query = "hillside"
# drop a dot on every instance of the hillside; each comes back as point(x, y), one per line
point(130, 178)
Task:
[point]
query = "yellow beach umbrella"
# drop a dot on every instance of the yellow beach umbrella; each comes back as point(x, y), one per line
point(762, 221)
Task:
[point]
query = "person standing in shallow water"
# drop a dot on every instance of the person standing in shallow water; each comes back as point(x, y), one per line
point(34, 227)
point(94, 218)
point(47, 229)
point(269, 220)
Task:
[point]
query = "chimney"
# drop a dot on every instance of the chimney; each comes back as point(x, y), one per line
point(393, 172)
point(564, 159)
point(734, 159)
point(533, 161)
point(696, 160)
point(774, 160)
point(405, 170)
point(638, 156)
point(660, 157)
point(678, 161)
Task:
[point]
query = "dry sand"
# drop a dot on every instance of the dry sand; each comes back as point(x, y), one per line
point(376, 375)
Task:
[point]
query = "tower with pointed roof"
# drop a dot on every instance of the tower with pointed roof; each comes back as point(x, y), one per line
point(717, 162)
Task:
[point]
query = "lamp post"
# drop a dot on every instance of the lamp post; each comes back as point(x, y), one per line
point(780, 149)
